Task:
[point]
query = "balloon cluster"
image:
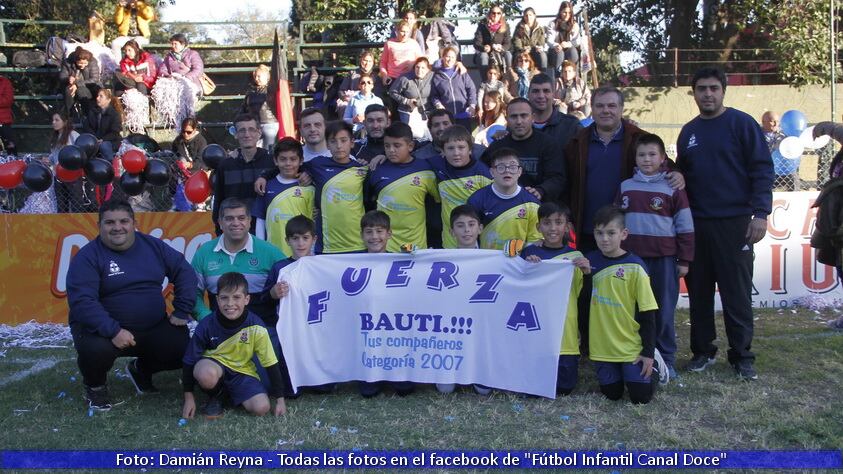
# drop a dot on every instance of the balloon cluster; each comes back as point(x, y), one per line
point(197, 188)
point(798, 138)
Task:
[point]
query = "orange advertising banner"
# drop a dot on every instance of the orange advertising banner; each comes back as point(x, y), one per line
point(36, 252)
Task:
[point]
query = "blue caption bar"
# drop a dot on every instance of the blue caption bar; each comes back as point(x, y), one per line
point(422, 459)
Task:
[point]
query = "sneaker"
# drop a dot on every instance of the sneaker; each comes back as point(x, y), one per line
point(482, 389)
point(700, 363)
point(745, 370)
point(141, 381)
point(213, 408)
point(97, 398)
point(660, 367)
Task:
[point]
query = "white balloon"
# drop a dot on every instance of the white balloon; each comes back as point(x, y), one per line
point(811, 143)
point(791, 148)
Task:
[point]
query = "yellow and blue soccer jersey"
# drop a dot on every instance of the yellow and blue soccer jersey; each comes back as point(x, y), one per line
point(506, 218)
point(456, 185)
point(282, 202)
point(619, 286)
point(232, 347)
point(401, 190)
point(571, 334)
point(339, 197)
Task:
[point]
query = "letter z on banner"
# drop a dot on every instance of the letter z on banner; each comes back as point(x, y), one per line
point(436, 316)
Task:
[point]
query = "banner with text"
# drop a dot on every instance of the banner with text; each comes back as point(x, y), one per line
point(446, 316)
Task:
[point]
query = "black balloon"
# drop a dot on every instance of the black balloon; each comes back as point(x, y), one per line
point(213, 179)
point(99, 171)
point(213, 155)
point(72, 157)
point(132, 184)
point(88, 144)
point(37, 177)
point(156, 173)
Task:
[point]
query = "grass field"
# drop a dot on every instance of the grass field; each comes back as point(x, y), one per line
point(795, 404)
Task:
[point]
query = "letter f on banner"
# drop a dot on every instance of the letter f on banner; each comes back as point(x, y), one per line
point(524, 314)
point(316, 306)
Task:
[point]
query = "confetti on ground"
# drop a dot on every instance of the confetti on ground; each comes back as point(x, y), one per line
point(564, 417)
point(182, 422)
point(352, 430)
point(334, 430)
point(62, 395)
point(590, 429)
point(449, 418)
point(517, 407)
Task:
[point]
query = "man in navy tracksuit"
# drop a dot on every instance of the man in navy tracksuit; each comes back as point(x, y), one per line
point(117, 309)
point(729, 177)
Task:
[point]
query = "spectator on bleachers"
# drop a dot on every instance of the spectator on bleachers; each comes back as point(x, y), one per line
point(184, 61)
point(521, 75)
point(132, 18)
point(7, 99)
point(529, 37)
point(411, 17)
point(78, 196)
point(492, 112)
point(399, 54)
point(563, 38)
point(439, 34)
point(189, 144)
point(137, 70)
point(257, 103)
point(493, 41)
point(493, 82)
point(63, 133)
point(104, 122)
point(355, 112)
point(572, 91)
point(412, 94)
point(454, 91)
point(350, 86)
point(80, 79)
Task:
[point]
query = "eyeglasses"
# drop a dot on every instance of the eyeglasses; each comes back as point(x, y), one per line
point(187, 131)
point(496, 13)
point(505, 168)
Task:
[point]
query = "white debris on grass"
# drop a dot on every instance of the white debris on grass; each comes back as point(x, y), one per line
point(815, 302)
point(34, 335)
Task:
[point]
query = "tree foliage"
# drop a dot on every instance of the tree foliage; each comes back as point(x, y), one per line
point(771, 40)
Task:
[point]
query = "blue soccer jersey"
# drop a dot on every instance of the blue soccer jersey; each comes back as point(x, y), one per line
point(455, 186)
point(339, 197)
point(401, 190)
point(506, 218)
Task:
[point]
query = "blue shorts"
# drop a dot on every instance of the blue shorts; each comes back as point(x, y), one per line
point(567, 372)
point(614, 372)
point(240, 387)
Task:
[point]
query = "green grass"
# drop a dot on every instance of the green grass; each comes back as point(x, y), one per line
point(795, 404)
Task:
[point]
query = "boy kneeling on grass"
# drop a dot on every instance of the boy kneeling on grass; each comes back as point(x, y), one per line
point(220, 356)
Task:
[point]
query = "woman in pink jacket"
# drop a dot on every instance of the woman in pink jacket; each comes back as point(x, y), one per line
point(183, 60)
point(399, 54)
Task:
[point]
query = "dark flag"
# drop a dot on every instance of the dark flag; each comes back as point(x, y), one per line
point(279, 87)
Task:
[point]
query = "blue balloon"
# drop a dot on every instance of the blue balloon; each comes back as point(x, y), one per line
point(793, 122)
point(783, 166)
point(492, 130)
point(586, 121)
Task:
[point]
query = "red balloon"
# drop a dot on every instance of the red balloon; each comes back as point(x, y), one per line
point(197, 188)
point(68, 176)
point(11, 174)
point(134, 161)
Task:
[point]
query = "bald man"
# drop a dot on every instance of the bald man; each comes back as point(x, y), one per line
point(787, 178)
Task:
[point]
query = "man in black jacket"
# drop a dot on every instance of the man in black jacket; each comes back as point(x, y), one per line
point(558, 126)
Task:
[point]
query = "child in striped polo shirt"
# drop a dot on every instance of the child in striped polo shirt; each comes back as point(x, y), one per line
point(661, 232)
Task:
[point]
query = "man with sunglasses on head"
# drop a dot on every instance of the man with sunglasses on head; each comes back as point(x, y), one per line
point(236, 175)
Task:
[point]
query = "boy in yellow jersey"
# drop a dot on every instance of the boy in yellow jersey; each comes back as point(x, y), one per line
point(375, 231)
point(401, 185)
point(284, 197)
point(221, 354)
point(622, 321)
point(508, 211)
point(339, 181)
point(458, 175)
point(465, 229)
point(554, 225)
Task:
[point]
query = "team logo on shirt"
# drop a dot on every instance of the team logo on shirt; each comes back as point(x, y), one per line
point(416, 181)
point(113, 268)
point(619, 273)
point(656, 203)
point(469, 184)
point(692, 142)
point(253, 262)
point(297, 193)
point(522, 213)
point(361, 171)
point(244, 337)
point(213, 266)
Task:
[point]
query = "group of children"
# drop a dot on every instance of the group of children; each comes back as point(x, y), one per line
point(644, 245)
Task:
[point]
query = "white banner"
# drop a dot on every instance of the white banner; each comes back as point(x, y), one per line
point(786, 267)
point(436, 316)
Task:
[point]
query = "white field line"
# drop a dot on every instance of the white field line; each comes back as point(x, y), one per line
point(39, 366)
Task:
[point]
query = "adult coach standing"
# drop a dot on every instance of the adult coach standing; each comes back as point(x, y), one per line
point(729, 176)
point(117, 308)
